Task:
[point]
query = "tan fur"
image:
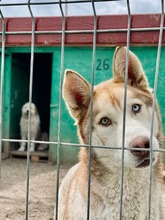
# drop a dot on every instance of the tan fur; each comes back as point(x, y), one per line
point(106, 159)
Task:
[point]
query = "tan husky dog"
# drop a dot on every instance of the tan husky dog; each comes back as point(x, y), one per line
point(106, 132)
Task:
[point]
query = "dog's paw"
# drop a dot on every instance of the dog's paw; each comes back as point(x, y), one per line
point(22, 148)
point(43, 147)
point(32, 149)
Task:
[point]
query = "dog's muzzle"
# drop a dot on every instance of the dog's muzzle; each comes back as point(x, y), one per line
point(141, 149)
point(26, 113)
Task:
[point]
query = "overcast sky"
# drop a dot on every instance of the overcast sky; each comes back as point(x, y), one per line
point(111, 7)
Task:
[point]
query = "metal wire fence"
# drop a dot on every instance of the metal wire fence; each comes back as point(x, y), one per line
point(64, 32)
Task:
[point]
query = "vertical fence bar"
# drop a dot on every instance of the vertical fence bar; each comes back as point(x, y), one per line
point(60, 106)
point(125, 107)
point(30, 101)
point(2, 83)
point(91, 107)
point(154, 103)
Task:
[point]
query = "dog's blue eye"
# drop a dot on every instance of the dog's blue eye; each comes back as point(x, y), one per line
point(105, 121)
point(136, 108)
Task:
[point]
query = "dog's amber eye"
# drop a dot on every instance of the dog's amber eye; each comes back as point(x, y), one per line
point(105, 121)
point(136, 108)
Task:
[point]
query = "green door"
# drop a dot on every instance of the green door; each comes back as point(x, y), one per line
point(15, 94)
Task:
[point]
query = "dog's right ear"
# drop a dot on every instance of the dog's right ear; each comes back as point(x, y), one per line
point(76, 93)
point(136, 76)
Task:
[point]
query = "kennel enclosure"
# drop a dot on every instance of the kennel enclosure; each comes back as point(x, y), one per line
point(36, 51)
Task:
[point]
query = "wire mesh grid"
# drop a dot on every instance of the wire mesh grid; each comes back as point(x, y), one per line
point(63, 33)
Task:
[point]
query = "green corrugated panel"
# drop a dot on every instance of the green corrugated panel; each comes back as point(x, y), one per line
point(80, 60)
point(6, 97)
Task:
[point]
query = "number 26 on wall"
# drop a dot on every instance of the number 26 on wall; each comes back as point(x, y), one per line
point(102, 64)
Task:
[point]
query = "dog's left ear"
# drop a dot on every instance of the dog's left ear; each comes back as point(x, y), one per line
point(136, 77)
point(36, 110)
point(76, 93)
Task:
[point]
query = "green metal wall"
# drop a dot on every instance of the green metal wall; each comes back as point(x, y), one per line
point(80, 60)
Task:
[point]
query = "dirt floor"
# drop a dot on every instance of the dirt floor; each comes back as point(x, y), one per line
point(42, 191)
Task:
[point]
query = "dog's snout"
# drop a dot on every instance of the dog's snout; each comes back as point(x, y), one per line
point(140, 143)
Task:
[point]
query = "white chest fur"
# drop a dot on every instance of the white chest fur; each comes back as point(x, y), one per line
point(107, 195)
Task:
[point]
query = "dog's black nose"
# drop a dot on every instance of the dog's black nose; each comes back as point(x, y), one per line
point(140, 143)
